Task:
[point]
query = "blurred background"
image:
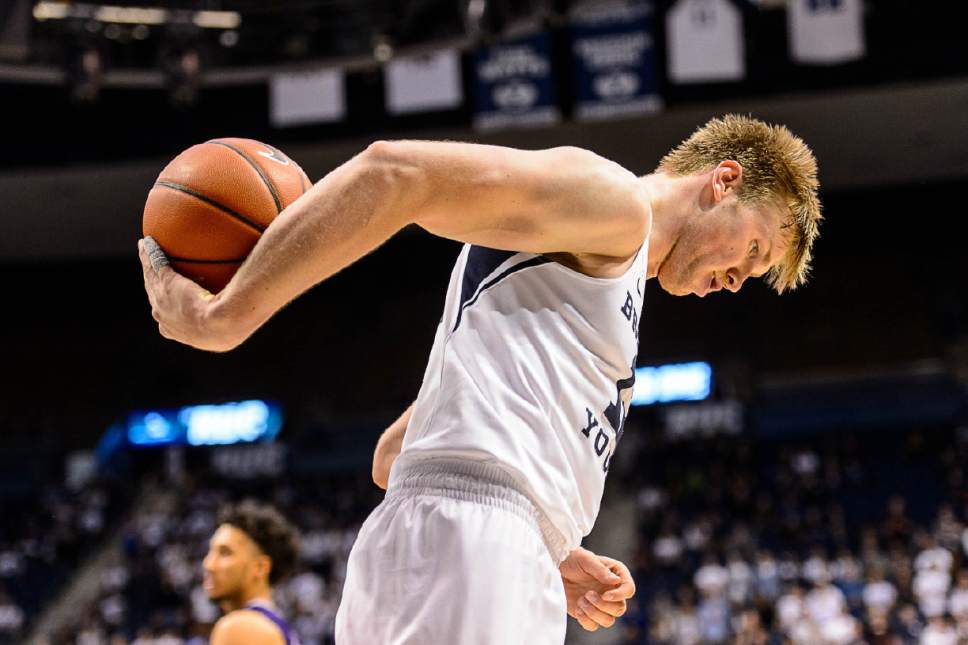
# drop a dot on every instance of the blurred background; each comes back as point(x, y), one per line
point(795, 471)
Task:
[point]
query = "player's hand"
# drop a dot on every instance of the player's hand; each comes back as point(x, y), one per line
point(596, 588)
point(182, 308)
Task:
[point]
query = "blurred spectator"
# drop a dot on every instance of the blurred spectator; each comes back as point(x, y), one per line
point(11, 618)
point(958, 601)
point(767, 580)
point(711, 578)
point(879, 594)
point(939, 632)
point(825, 603)
point(750, 629)
point(713, 615)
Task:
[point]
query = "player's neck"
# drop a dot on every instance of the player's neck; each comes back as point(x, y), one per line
point(672, 201)
point(261, 595)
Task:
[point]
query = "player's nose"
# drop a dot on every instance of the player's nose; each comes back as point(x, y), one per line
point(733, 280)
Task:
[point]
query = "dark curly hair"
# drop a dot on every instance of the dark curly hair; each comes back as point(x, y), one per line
point(265, 526)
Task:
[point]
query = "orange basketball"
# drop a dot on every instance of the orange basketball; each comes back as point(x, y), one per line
point(211, 204)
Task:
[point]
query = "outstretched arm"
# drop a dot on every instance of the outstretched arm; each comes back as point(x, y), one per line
point(388, 447)
point(559, 200)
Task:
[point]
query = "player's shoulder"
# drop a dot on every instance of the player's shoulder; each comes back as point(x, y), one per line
point(245, 627)
point(577, 158)
point(615, 190)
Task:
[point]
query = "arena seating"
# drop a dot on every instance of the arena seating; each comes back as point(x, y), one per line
point(154, 595)
point(51, 535)
point(834, 540)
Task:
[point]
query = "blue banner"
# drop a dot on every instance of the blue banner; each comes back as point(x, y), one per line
point(514, 85)
point(614, 54)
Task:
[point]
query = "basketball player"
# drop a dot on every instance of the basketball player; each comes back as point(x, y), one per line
point(506, 449)
point(252, 549)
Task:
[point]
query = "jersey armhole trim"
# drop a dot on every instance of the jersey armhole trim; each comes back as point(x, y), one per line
point(644, 249)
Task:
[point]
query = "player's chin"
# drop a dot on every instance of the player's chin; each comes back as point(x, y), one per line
point(675, 288)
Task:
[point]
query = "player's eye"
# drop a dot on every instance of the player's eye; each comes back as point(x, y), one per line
point(754, 249)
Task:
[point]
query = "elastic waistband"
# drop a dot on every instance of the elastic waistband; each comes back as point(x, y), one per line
point(474, 481)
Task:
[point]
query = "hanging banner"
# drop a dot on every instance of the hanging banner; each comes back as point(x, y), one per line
point(704, 42)
point(826, 32)
point(304, 98)
point(514, 85)
point(614, 53)
point(423, 83)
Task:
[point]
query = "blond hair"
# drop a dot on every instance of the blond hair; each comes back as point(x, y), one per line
point(778, 167)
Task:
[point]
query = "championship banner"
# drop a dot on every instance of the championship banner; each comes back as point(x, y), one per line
point(614, 54)
point(514, 84)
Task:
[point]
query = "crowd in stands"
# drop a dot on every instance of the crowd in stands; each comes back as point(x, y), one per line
point(847, 539)
point(154, 595)
point(838, 540)
point(42, 539)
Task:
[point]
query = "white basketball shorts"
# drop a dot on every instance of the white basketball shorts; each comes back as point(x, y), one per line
point(453, 556)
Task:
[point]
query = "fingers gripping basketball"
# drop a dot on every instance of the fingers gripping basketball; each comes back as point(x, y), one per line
point(210, 205)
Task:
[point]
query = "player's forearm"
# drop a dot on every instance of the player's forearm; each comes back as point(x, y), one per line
point(346, 215)
point(388, 448)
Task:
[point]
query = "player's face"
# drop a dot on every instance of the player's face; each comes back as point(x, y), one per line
point(230, 563)
point(722, 247)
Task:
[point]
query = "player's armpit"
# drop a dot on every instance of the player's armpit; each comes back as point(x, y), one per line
point(564, 199)
point(243, 627)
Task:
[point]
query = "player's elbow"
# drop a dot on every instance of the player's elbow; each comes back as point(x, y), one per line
point(389, 165)
point(380, 150)
point(381, 477)
point(381, 470)
point(383, 458)
point(392, 177)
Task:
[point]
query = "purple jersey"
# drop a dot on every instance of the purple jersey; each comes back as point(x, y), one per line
point(287, 632)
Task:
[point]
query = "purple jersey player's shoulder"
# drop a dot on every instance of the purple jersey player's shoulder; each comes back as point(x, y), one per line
point(288, 633)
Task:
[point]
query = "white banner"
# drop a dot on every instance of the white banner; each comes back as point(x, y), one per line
point(705, 42)
point(424, 83)
point(826, 32)
point(303, 98)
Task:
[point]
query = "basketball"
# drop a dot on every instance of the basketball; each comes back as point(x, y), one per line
point(210, 205)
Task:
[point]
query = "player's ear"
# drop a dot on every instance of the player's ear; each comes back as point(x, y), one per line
point(263, 566)
point(726, 177)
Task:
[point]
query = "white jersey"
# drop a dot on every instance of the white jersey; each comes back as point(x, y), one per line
point(532, 371)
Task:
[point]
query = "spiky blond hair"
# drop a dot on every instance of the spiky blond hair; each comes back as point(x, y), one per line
point(778, 168)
